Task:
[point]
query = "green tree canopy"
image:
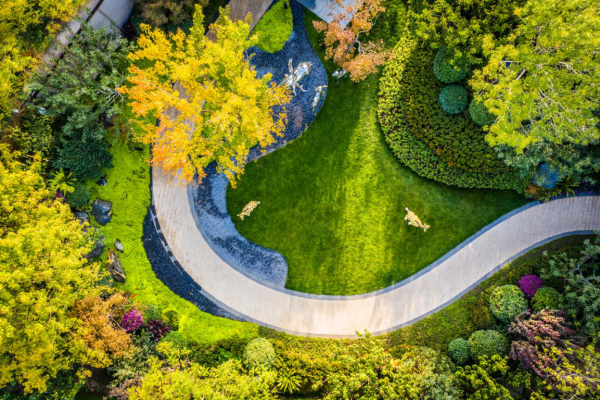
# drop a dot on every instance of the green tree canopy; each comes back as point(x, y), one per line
point(544, 87)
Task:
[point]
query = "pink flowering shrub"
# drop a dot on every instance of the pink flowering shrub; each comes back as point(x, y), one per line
point(132, 320)
point(530, 284)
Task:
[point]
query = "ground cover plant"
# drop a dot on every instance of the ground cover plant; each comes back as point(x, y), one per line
point(128, 188)
point(332, 201)
point(274, 27)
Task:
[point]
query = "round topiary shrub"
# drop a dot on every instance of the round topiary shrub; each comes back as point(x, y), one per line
point(171, 317)
point(488, 343)
point(459, 351)
point(259, 353)
point(529, 285)
point(178, 340)
point(546, 298)
point(152, 312)
point(446, 70)
point(80, 197)
point(453, 99)
point(480, 114)
point(506, 302)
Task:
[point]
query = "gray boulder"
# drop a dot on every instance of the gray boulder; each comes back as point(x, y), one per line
point(115, 267)
point(83, 217)
point(102, 211)
point(119, 246)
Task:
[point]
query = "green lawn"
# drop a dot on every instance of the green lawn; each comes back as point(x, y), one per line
point(129, 190)
point(332, 202)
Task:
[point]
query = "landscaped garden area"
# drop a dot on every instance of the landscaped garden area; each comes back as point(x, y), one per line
point(416, 124)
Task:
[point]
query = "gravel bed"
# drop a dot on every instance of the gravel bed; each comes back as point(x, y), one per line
point(209, 198)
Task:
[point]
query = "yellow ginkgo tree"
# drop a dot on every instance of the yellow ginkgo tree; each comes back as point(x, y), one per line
point(212, 105)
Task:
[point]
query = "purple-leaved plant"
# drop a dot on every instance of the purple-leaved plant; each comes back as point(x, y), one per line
point(530, 284)
point(158, 329)
point(132, 320)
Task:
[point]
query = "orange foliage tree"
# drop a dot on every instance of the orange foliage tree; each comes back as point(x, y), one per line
point(218, 109)
point(346, 44)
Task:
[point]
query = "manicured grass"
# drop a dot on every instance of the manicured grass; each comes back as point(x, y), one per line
point(275, 27)
point(332, 201)
point(129, 190)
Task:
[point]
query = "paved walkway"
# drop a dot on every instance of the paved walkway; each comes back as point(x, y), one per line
point(378, 312)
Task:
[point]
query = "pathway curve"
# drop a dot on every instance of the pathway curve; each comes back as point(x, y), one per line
point(378, 312)
point(254, 297)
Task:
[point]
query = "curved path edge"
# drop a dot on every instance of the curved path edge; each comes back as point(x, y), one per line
point(379, 312)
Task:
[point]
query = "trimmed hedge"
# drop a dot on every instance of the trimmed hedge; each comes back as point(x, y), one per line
point(506, 302)
point(449, 72)
point(546, 297)
point(480, 114)
point(459, 351)
point(487, 344)
point(435, 145)
point(259, 353)
point(454, 99)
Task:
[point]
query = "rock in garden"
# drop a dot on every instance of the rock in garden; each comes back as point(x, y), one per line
point(83, 217)
point(102, 211)
point(102, 182)
point(119, 246)
point(115, 267)
point(98, 238)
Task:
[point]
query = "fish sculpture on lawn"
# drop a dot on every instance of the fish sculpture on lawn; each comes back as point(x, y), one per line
point(339, 73)
point(414, 220)
point(319, 91)
point(248, 209)
point(292, 80)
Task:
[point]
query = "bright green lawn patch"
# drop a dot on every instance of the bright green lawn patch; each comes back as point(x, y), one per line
point(275, 27)
point(129, 190)
point(332, 201)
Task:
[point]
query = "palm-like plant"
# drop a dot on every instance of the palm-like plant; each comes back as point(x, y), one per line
point(288, 381)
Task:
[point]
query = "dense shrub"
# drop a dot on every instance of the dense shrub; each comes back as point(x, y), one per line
point(132, 320)
point(480, 114)
point(79, 198)
point(506, 302)
point(530, 284)
point(275, 27)
point(171, 317)
point(85, 159)
point(453, 99)
point(448, 149)
point(487, 344)
point(151, 312)
point(158, 329)
point(546, 298)
point(459, 351)
point(259, 353)
point(178, 340)
point(446, 70)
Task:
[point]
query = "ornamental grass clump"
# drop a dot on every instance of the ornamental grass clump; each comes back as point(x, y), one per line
point(530, 284)
point(132, 320)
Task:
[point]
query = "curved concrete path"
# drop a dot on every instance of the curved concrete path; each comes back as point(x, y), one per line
point(378, 312)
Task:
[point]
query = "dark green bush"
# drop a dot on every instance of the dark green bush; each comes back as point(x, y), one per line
point(171, 317)
point(453, 99)
point(151, 313)
point(480, 114)
point(80, 197)
point(85, 159)
point(449, 149)
point(459, 351)
point(487, 344)
point(506, 302)
point(546, 297)
point(259, 353)
point(449, 72)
